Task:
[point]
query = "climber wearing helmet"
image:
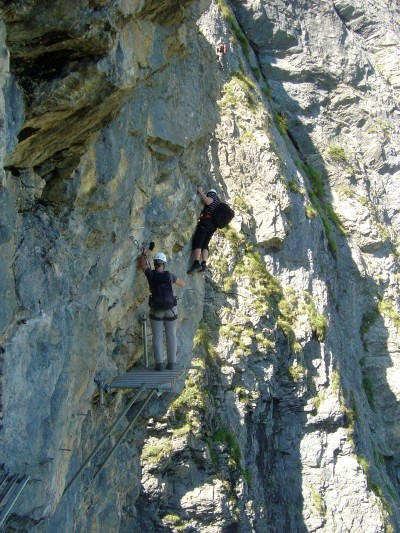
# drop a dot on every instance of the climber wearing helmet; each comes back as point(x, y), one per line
point(204, 231)
point(163, 308)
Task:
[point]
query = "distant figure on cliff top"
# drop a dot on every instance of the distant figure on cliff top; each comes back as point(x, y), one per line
point(221, 50)
point(163, 307)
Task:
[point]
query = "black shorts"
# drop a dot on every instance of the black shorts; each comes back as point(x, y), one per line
point(202, 236)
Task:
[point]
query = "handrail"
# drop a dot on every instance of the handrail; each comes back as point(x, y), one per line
point(124, 433)
point(102, 441)
point(143, 320)
point(12, 494)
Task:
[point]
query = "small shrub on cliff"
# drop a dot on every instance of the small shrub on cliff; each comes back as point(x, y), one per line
point(235, 238)
point(337, 153)
point(387, 309)
point(365, 466)
point(350, 414)
point(240, 203)
point(331, 242)
point(354, 407)
point(154, 453)
point(318, 322)
point(325, 210)
point(229, 283)
point(188, 409)
point(372, 485)
point(293, 187)
point(382, 127)
point(368, 389)
point(310, 212)
point(240, 92)
point(172, 520)
point(288, 308)
point(347, 191)
point(316, 180)
point(244, 80)
point(333, 217)
point(282, 123)
point(248, 477)
point(318, 502)
point(296, 372)
point(256, 72)
point(192, 398)
point(237, 334)
point(263, 284)
point(263, 342)
point(319, 326)
point(267, 92)
point(203, 342)
point(226, 437)
point(335, 380)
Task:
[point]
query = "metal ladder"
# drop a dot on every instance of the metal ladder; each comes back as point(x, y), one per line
point(143, 381)
point(11, 487)
point(107, 434)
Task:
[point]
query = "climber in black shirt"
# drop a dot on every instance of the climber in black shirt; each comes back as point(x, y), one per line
point(204, 231)
point(163, 310)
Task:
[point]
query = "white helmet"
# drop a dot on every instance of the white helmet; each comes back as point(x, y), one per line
point(160, 258)
point(212, 190)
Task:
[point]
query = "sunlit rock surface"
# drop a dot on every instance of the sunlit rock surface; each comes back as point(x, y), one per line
point(112, 113)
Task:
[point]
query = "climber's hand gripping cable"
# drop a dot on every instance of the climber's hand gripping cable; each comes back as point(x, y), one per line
point(144, 260)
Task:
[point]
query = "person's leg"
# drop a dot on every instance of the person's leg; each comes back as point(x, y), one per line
point(196, 253)
point(157, 330)
point(205, 250)
point(199, 235)
point(170, 334)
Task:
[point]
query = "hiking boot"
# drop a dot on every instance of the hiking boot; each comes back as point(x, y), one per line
point(170, 366)
point(159, 367)
point(195, 267)
point(203, 267)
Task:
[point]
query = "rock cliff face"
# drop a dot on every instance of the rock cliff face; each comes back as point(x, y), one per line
point(112, 113)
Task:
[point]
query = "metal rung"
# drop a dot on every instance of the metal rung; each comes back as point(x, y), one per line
point(11, 480)
point(5, 479)
point(15, 485)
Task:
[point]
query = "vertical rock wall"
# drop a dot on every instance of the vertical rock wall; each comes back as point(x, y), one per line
point(104, 152)
point(295, 430)
point(113, 112)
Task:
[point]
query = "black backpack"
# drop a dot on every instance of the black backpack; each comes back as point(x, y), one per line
point(222, 215)
point(162, 296)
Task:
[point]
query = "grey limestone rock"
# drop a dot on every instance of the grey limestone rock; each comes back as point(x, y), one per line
point(286, 415)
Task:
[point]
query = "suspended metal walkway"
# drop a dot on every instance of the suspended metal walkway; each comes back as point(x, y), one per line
point(11, 486)
point(148, 379)
point(142, 379)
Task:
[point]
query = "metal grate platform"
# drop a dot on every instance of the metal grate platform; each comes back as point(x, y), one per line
point(146, 379)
